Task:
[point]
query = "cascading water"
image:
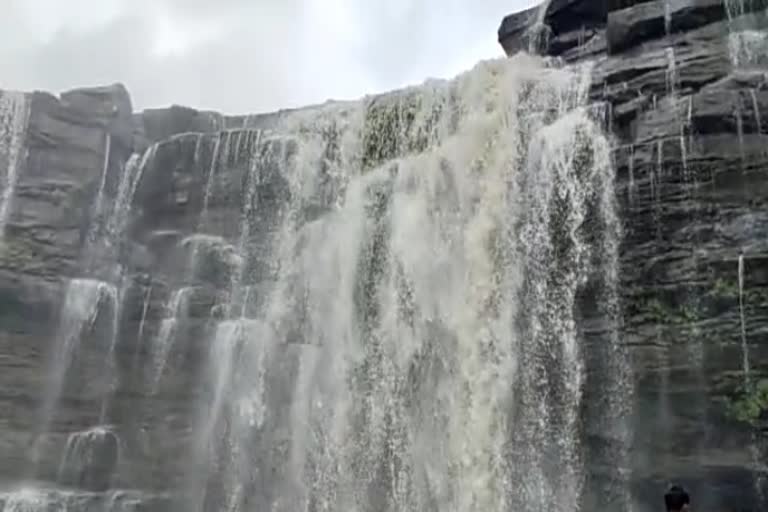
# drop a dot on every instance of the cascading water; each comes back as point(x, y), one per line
point(161, 348)
point(631, 186)
point(756, 111)
point(89, 458)
point(539, 32)
point(740, 135)
point(747, 45)
point(743, 325)
point(14, 117)
point(671, 73)
point(98, 208)
point(200, 244)
point(83, 301)
point(432, 308)
point(667, 17)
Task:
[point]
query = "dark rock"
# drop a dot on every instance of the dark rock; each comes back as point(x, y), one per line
point(514, 32)
point(689, 123)
point(91, 460)
point(687, 108)
point(565, 25)
point(163, 123)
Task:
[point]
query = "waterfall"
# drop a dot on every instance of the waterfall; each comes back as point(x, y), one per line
point(97, 209)
point(756, 111)
point(539, 32)
point(129, 181)
point(743, 326)
point(671, 73)
point(740, 136)
point(397, 307)
point(86, 298)
point(161, 348)
point(747, 46)
point(83, 302)
point(109, 218)
point(212, 174)
point(90, 458)
point(28, 499)
point(686, 128)
point(428, 314)
point(14, 117)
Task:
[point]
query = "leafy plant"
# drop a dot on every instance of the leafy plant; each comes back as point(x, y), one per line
point(725, 288)
point(751, 405)
point(656, 310)
point(687, 314)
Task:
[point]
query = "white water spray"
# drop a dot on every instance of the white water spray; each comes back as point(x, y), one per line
point(474, 192)
point(745, 366)
point(14, 117)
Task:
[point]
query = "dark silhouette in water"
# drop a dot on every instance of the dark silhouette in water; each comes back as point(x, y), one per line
point(677, 500)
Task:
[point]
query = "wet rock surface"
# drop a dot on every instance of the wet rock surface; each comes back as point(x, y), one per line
point(687, 106)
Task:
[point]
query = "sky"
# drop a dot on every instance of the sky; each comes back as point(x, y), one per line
point(244, 56)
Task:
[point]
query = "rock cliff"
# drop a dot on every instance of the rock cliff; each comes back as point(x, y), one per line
point(122, 261)
point(685, 88)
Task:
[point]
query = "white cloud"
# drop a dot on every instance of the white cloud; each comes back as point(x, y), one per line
point(244, 55)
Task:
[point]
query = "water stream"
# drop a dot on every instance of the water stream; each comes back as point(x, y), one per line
point(399, 330)
point(401, 400)
point(84, 300)
point(14, 117)
point(745, 366)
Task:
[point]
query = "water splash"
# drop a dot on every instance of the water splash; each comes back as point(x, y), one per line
point(38, 499)
point(14, 118)
point(219, 444)
point(33, 500)
point(90, 458)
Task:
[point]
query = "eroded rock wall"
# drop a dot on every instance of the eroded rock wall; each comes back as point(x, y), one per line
point(685, 87)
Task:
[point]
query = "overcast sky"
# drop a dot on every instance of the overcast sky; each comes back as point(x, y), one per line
point(243, 56)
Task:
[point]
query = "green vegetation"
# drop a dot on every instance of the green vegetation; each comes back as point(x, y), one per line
point(751, 404)
point(657, 311)
point(397, 124)
point(663, 314)
point(725, 288)
point(386, 124)
point(16, 251)
point(687, 314)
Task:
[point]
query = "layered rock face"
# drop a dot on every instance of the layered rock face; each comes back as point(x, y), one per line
point(685, 87)
point(417, 301)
